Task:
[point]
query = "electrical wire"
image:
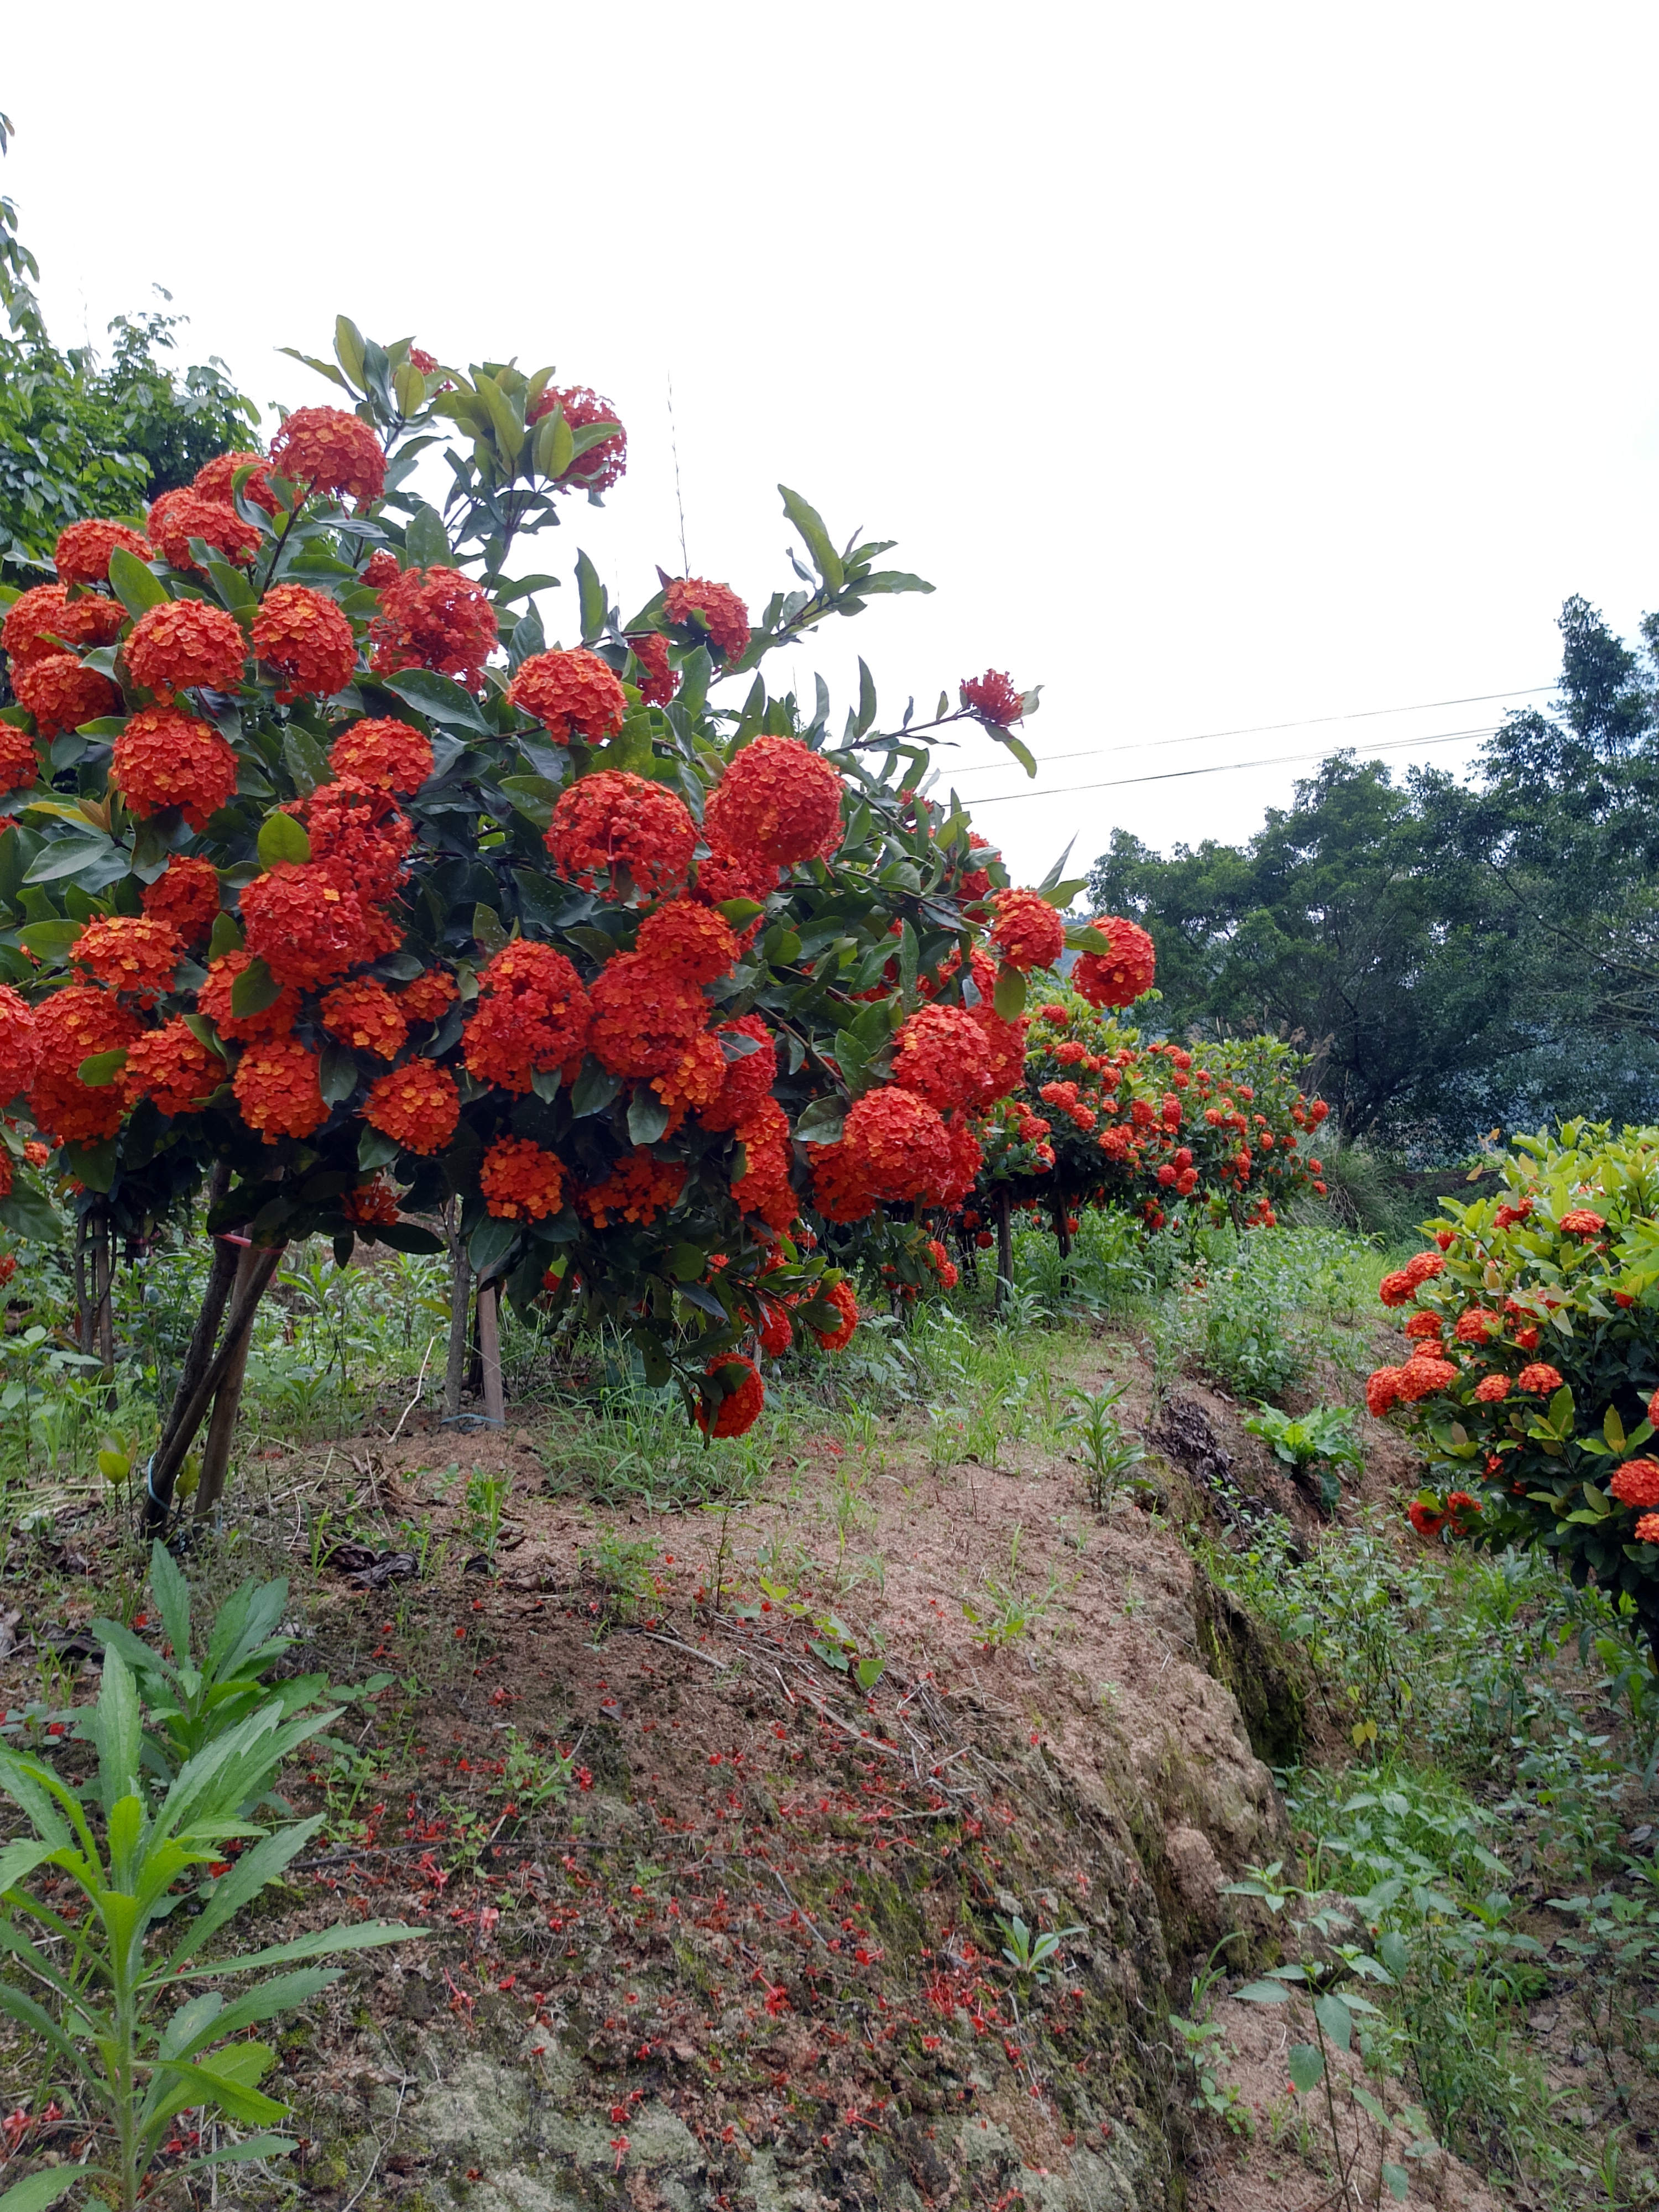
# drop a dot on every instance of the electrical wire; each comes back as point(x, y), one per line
point(1262, 729)
point(1225, 768)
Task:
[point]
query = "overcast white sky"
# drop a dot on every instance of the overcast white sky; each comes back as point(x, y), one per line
point(1222, 366)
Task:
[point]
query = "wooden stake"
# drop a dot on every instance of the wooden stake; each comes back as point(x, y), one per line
point(489, 1345)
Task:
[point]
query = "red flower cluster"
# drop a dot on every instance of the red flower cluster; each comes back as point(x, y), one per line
point(433, 618)
point(531, 1017)
point(1476, 1325)
point(359, 838)
point(1027, 931)
point(432, 992)
point(183, 644)
point(1581, 1222)
point(748, 1079)
point(638, 1188)
point(383, 567)
point(133, 954)
point(645, 1016)
point(779, 802)
point(163, 758)
point(1637, 1483)
point(44, 621)
point(712, 612)
point(172, 1065)
point(216, 480)
point(186, 894)
point(993, 699)
point(570, 691)
point(689, 941)
point(613, 821)
point(61, 694)
point(278, 1090)
point(1399, 1288)
point(839, 1295)
point(372, 1205)
point(306, 639)
point(20, 1045)
point(365, 1015)
point(305, 928)
point(213, 1002)
point(384, 753)
point(326, 449)
point(658, 682)
point(740, 1409)
point(71, 1026)
point(942, 1056)
point(601, 465)
point(1121, 976)
point(20, 764)
point(1491, 1389)
point(82, 553)
point(521, 1182)
point(894, 1147)
point(178, 516)
point(1540, 1378)
point(418, 1103)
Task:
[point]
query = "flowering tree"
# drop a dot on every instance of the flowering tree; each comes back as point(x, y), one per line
point(333, 883)
point(1534, 1322)
point(1102, 1117)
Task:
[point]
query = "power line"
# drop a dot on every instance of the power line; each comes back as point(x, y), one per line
point(1262, 729)
point(1226, 767)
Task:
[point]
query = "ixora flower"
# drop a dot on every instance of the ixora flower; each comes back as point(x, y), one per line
point(216, 479)
point(186, 894)
point(839, 1295)
point(326, 449)
point(570, 693)
point(778, 803)
point(521, 1180)
point(303, 926)
point(942, 1056)
point(20, 1045)
point(179, 516)
point(744, 1396)
point(601, 465)
point(372, 1205)
point(691, 941)
point(365, 1015)
point(614, 821)
point(134, 954)
point(213, 1002)
point(384, 753)
point(82, 553)
point(172, 1066)
point(644, 1016)
point(20, 764)
point(417, 1104)
point(61, 694)
point(306, 639)
point(894, 1146)
point(278, 1088)
point(712, 612)
point(748, 1076)
point(358, 836)
point(433, 618)
point(1027, 931)
point(165, 758)
point(184, 644)
point(71, 1026)
point(531, 1016)
point(1637, 1483)
point(1121, 976)
point(658, 681)
point(993, 699)
point(1581, 1222)
point(47, 621)
point(430, 994)
point(638, 1188)
point(1540, 1378)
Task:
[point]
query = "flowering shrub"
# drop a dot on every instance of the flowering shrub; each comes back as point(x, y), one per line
point(1531, 1384)
point(332, 871)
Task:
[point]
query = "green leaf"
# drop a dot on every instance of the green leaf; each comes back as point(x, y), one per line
point(27, 1211)
point(1009, 1000)
point(337, 1077)
point(809, 523)
point(1335, 2019)
point(426, 538)
point(50, 941)
point(490, 1243)
point(254, 989)
point(1307, 2066)
point(54, 2182)
point(1264, 1993)
point(822, 1122)
point(410, 386)
point(488, 931)
point(688, 1262)
point(305, 760)
point(440, 699)
point(135, 583)
point(93, 862)
point(376, 1149)
point(1399, 2181)
point(1021, 751)
point(532, 796)
point(1614, 1428)
point(227, 936)
point(740, 912)
point(561, 445)
point(594, 1090)
point(283, 838)
point(99, 1069)
point(590, 594)
point(408, 1236)
point(350, 350)
point(647, 1116)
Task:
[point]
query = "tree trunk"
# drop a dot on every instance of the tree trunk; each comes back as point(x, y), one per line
point(216, 1453)
point(460, 1285)
point(103, 1286)
point(1062, 1235)
point(82, 1304)
point(170, 1456)
point(490, 1348)
point(1005, 1250)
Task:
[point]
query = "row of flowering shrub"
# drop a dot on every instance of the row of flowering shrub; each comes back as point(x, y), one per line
point(326, 871)
point(1533, 1322)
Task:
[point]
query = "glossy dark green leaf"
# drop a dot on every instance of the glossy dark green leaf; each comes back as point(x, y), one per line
point(823, 1123)
point(1009, 1003)
point(594, 1090)
point(254, 989)
point(101, 1069)
point(490, 1243)
point(283, 838)
point(488, 931)
point(408, 1236)
point(135, 583)
point(227, 936)
point(647, 1116)
point(337, 1075)
point(27, 1211)
point(439, 699)
point(305, 760)
point(91, 1165)
point(50, 940)
point(589, 593)
point(376, 1149)
point(819, 545)
point(426, 538)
